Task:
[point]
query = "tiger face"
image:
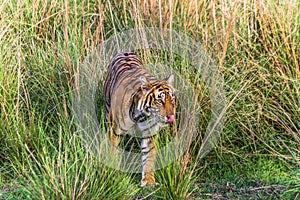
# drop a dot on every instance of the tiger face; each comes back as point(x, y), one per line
point(158, 101)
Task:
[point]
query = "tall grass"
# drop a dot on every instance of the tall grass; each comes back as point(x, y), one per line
point(254, 43)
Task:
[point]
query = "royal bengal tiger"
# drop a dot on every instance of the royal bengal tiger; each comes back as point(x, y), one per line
point(136, 100)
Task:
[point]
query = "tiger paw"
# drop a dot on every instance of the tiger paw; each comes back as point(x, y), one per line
point(145, 184)
point(148, 181)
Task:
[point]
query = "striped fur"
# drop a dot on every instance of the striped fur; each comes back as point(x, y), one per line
point(135, 100)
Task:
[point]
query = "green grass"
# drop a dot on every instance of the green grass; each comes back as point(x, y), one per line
point(255, 45)
point(269, 179)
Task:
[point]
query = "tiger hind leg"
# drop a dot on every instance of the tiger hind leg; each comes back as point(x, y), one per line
point(114, 134)
point(148, 162)
point(114, 138)
point(113, 153)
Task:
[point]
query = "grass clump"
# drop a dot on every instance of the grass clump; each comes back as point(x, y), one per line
point(67, 171)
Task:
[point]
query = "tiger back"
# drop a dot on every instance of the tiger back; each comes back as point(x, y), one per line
point(137, 101)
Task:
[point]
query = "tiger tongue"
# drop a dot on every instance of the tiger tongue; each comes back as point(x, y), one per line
point(171, 118)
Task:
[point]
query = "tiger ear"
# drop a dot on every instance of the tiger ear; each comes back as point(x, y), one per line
point(143, 80)
point(144, 84)
point(170, 79)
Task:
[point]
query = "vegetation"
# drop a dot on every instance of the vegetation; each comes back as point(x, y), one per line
point(256, 47)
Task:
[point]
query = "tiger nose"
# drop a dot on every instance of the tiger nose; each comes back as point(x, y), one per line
point(171, 118)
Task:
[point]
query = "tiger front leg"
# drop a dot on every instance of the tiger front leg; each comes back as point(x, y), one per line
point(148, 161)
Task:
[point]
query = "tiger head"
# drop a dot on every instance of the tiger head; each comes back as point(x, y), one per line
point(157, 100)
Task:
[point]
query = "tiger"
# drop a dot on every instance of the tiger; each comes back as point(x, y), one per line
point(136, 100)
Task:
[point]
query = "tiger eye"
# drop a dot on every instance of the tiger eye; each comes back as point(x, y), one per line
point(162, 95)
